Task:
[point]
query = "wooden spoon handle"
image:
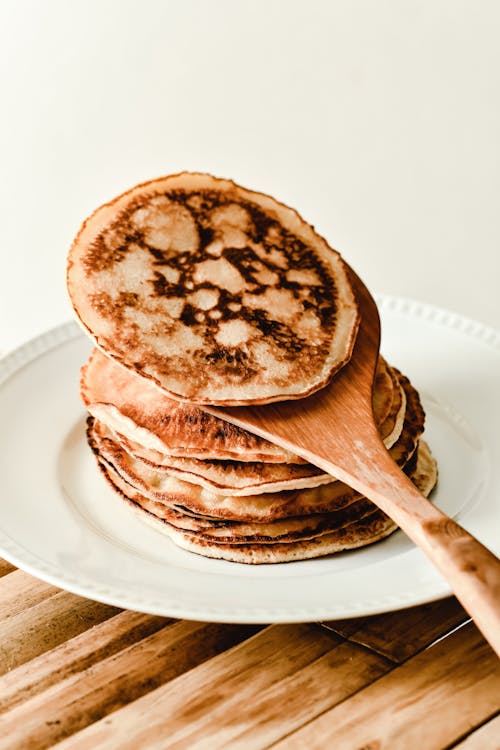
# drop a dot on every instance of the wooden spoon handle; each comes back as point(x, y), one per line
point(472, 571)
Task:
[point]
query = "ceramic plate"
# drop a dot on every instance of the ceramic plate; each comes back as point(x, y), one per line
point(61, 522)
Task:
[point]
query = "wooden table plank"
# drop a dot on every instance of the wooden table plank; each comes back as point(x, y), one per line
point(76, 654)
point(258, 714)
point(401, 634)
point(40, 628)
point(83, 674)
point(228, 682)
point(428, 702)
point(87, 696)
point(6, 567)
point(19, 591)
point(486, 737)
point(265, 716)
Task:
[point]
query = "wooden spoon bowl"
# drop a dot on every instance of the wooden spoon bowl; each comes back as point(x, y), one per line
point(335, 430)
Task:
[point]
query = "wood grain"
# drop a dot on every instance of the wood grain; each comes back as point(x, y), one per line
point(78, 653)
point(486, 737)
point(286, 705)
point(19, 591)
point(224, 687)
point(87, 675)
point(401, 634)
point(6, 567)
point(83, 698)
point(45, 625)
point(428, 702)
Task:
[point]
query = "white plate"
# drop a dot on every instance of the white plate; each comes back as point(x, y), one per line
point(60, 521)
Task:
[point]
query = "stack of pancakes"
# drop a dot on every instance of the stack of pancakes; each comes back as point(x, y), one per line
point(199, 292)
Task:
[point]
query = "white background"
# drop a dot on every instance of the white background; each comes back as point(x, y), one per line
point(379, 121)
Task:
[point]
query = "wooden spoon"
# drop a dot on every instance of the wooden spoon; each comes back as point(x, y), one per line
point(335, 430)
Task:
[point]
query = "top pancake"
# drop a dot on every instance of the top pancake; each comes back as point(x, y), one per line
point(218, 294)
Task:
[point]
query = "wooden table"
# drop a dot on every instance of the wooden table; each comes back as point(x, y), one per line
point(79, 674)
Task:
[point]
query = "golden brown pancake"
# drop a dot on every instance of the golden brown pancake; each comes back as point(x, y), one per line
point(181, 495)
point(226, 477)
point(247, 478)
point(236, 532)
point(218, 294)
point(413, 425)
point(390, 428)
point(282, 541)
point(383, 391)
point(360, 533)
point(158, 429)
point(137, 409)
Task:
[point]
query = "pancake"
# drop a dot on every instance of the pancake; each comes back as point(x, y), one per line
point(235, 532)
point(240, 478)
point(157, 429)
point(197, 501)
point(294, 539)
point(383, 391)
point(370, 529)
point(413, 425)
point(422, 472)
point(181, 495)
point(390, 427)
point(217, 294)
point(134, 407)
point(228, 477)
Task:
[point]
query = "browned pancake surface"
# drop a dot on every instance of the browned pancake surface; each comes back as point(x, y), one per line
point(160, 429)
point(247, 477)
point(280, 541)
point(135, 407)
point(182, 495)
point(218, 294)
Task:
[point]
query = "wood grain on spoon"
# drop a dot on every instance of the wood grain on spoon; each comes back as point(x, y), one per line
point(334, 429)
